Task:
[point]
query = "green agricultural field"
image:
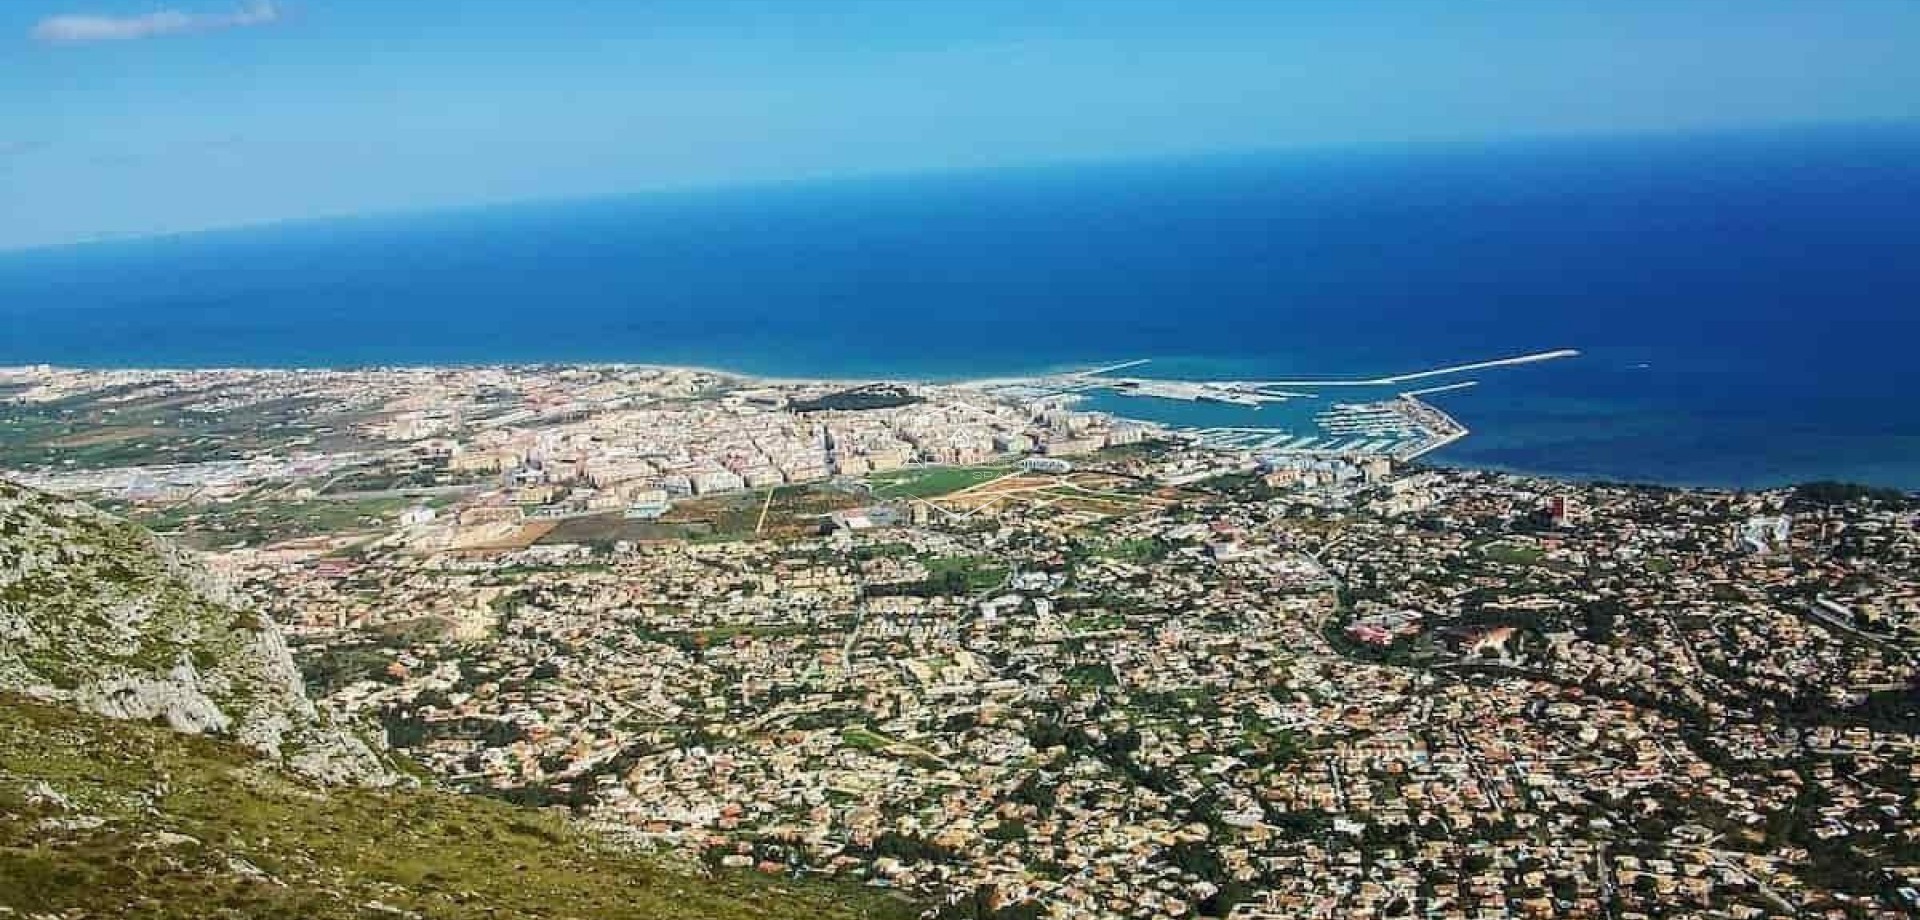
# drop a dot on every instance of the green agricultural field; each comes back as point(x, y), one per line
point(256, 521)
point(1512, 553)
point(89, 432)
point(931, 481)
point(1139, 551)
point(801, 507)
point(965, 574)
point(1090, 675)
point(720, 634)
point(730, 516)
point(1096, 622)
point(863, 739)
point(614, 527)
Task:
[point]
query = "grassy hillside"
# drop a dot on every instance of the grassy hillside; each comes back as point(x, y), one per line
point(114, 819)
point(118, 622)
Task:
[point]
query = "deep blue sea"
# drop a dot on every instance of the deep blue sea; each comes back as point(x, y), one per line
point(1748, 305)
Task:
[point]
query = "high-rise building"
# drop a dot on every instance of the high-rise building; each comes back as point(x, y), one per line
point(1566, 510)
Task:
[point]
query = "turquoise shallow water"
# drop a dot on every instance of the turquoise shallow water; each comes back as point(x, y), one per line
point(1747, 305)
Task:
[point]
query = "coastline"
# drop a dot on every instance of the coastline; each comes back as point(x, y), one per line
point(1083, 371)
point(1700, 363)
point(1438, 454)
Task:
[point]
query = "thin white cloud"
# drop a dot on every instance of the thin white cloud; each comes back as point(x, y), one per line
point(81, 28)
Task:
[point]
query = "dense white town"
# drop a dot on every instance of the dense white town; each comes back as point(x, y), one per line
point(1013, 659)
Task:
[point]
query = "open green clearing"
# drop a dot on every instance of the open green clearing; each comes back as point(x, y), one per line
point(965, 574)
point(1096, 622)
point(1512, 553)
point(732, 516)
point(89, 432)
point(256, 521)
point(931, 481)
point(863, 739)
point(1139, 551)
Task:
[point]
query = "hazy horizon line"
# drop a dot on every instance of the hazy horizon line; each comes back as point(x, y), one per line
point(1428, 146)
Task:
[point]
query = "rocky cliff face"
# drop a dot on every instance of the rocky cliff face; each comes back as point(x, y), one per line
point(99, 613)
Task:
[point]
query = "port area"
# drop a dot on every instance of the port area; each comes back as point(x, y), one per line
point(1404, 428)
point(1198, 392)
point(1383, 416)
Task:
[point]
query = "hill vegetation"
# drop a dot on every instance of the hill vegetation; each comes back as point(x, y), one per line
point(858, 399)
point(159, 758)
point(1828, 493)
point(105, 818)
point(100, 614)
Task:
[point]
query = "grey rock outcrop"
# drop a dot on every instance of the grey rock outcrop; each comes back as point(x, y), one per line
point(101, 614)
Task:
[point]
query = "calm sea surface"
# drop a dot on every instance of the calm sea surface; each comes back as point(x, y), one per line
point(1748, 305)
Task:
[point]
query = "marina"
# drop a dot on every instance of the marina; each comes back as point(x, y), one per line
point(1199, 392)
point(1402, 428)
point(1398, 425)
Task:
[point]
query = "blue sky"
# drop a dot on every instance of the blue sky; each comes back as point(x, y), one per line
point(167, 115)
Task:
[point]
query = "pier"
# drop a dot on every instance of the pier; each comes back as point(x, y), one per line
point(1111, 368)
point(1397, 379)
point(1444, 388)
point(1443, 429)
point(1404, 427)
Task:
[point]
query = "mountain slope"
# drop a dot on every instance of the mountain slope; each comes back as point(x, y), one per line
point(106, 818)
point(99, 613)
point(159, 758)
